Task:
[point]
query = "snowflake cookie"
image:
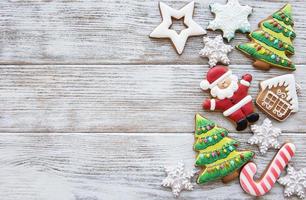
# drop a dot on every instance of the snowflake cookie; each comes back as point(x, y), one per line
point(179, 40)
point(230, 17)
point(265, 136)
point(178, 179)
point(215, 50)
point(294, 182)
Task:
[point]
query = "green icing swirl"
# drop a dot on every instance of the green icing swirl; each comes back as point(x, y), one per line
point(260, 36)
point(249, 49)
point(270, 26)
point(202, 160)
point(277, 15)
point(203, 126)
point(216, 131)
point(216, 174)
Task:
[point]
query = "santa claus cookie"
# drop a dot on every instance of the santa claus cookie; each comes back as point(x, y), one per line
point(230, 96)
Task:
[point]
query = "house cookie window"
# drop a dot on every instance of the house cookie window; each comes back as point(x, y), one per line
point(269, 100)
point(281, 108)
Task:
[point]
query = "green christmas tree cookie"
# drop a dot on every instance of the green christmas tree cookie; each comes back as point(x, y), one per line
point(272, 42)
point(217, 154)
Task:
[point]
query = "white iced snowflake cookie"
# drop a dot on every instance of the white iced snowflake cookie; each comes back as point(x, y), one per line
point(265, 136)
point(178, 179)
point(163, 30)
point(230, 17)
point(215, 50)
point(294, 182)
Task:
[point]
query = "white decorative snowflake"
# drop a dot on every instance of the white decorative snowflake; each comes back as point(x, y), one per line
point(294, 182)
point(265, 136)
point(230, 17)
point(215, 50)
point(178, 179)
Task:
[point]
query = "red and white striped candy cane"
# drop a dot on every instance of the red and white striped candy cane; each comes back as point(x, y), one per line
point(268, 179)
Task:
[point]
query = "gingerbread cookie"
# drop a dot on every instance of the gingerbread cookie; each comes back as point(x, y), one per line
point(272, 42)
point(230, 96)
point(229, 18)
point(217, 153)
point(271, 174)
point(215, 50)
point(163, 30)
point(178, 179)
point(278, 97)
point(294, 182)
point(265, 136)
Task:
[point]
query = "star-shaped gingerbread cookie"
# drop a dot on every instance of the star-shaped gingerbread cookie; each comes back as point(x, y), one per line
point(163, 30)
point(229, 18)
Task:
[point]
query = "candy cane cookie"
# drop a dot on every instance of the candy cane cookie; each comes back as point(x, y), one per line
point(271, 174)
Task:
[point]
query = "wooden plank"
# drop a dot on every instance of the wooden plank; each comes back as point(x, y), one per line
point(116, 98)
point(104, 32)
point(112, 166)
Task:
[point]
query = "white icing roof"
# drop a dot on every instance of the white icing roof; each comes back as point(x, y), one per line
point(286, 80)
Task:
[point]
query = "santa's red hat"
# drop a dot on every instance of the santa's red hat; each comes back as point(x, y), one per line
point(214, 76)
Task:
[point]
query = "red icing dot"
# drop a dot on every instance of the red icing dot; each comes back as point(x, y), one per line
point(280, 44)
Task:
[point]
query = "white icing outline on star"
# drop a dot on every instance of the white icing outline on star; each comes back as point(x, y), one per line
point(215, 50)
point(229, 18)
point(178, 178)
point(178, 40)
point(265, 136)
point(294, 182)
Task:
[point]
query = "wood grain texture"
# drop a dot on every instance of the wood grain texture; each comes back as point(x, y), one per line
point(107, 32)
point(89, 66)
point(116, 98)
point(112, 166)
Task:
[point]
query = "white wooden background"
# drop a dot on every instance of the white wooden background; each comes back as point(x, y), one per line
point(91, 108)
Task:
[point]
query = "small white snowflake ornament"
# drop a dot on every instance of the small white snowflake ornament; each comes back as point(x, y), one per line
point(294, 182)
point(179, 40)
point(215, 50)
point(265, 136)
point(230, 17)
point(178, 179)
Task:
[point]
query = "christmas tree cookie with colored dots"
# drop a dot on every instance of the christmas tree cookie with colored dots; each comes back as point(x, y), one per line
point(217, 154)
point(272, 42)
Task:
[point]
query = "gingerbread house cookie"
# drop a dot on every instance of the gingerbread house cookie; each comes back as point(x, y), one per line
point(278, 97)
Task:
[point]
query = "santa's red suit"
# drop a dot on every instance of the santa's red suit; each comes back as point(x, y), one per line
point(236, 107)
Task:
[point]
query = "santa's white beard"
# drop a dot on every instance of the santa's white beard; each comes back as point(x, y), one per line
point(227, 92)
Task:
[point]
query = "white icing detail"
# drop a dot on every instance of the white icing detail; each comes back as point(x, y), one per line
point(245, 83)
point(212, 104)
point(237, 106)
point(178, 179)
point(178, 40)
point(215, 50)
point(289, 81)
point(220, 79)
point(230, 17)
point(294, 182)
point(204, 85)
point(265, 136)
